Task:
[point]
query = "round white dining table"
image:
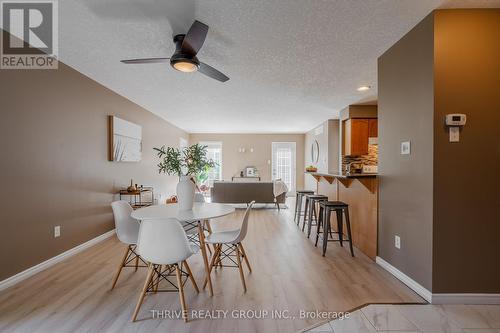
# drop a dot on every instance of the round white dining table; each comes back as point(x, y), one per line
point(201, 212)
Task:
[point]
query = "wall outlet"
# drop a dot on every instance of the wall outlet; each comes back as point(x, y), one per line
point(405, 148)
point(397, 242)
point(57, 231)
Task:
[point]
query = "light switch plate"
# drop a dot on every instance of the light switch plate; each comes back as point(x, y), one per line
point(57, 231)
point(405, 148)
point(454, 134)
point(397, 242)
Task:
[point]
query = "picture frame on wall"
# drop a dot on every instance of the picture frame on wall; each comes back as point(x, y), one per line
point(125, 140)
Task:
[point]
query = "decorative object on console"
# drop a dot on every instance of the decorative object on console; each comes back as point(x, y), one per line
point(132, 187)
point(188, 164)
point(251, 171)
point(125, 140)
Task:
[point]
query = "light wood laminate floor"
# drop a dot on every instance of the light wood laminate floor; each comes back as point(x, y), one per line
point(289, 273)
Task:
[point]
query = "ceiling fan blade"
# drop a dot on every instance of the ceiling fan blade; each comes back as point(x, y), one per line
point(194, 39)
point(212, 72)
point(146, 61)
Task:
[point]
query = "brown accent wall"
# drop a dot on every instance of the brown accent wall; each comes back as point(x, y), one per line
point(442, 199)
point(54, 168)
point(405, 112)
point(233, 161)
point(466, 180)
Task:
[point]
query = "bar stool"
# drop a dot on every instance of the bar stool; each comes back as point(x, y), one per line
point(310, 210)
point(298, 203)
point(325, 210)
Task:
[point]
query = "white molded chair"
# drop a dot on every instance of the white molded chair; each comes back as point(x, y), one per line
point(232, 240)
point(164, 245)
point(127, 230)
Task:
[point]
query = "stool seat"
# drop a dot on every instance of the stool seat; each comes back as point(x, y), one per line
point(310, 210)
point(298, 203)
point(316, 196)
point(341, 210)
point(333, 203)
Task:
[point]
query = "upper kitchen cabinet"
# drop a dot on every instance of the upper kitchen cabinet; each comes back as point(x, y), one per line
point(356, 134)
point(373, 128)
point(359, 128)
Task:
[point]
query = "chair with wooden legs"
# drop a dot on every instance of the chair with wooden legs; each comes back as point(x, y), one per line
point(191, 227)
point(165, 246)
point(127, 230)
point(231, 240)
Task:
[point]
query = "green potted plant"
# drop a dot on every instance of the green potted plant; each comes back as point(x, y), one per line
point(187, 164)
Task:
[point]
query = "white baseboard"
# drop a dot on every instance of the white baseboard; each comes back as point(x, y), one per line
point(468, 298)
point(52, 261)
point(414, 285)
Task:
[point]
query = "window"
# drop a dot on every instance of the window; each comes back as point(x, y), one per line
point(214, 152)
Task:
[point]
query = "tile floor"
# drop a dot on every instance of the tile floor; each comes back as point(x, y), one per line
point(418, 318)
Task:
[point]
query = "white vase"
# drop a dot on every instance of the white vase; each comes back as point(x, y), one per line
point(185, 193)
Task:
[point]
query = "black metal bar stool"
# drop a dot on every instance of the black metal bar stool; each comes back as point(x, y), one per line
point(310, 209)
point(341, 209)
point(298, 203)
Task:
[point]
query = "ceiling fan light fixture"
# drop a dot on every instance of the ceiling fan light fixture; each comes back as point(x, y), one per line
point(185, 66)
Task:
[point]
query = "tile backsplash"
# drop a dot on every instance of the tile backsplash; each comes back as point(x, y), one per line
point(370, 159)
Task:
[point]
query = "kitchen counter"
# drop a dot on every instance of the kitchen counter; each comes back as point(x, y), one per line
point(342, 175)
point(360, 192)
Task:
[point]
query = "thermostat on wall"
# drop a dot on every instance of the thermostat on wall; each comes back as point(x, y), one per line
point(453, 121)
point(456, 119)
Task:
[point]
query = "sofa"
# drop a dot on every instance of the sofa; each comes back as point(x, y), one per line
point(240, 192)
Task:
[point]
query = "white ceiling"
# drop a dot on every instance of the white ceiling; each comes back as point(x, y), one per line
point(292, 64)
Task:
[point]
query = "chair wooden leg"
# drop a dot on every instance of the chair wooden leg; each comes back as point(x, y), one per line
point(218, 260)
point(241, 269)
point(191, 277)
point(212, 263)
point(143, 292)
point(181, 292)
point(244, 255)
point(136, 262)
point(209, 228)
point(122, 263)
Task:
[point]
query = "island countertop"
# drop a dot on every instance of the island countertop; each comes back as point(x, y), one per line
point(342, 175)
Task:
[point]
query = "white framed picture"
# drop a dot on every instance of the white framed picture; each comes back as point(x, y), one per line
point(125, 140)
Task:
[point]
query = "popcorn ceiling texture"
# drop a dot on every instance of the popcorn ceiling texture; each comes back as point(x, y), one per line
point(292, 64)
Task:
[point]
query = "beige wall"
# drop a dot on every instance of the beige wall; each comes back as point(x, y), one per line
point(54, 162)
point(405, 112)
point(233, 161)
point(327, 134)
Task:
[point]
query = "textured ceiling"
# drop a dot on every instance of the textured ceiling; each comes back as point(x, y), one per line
point(292, 64)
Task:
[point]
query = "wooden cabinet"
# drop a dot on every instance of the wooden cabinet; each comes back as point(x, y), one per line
point(356, 133)
point(373, 128)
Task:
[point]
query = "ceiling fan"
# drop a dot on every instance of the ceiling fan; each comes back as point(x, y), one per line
point(184, 58)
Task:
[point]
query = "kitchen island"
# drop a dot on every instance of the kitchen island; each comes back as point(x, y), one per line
point(360, 192)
